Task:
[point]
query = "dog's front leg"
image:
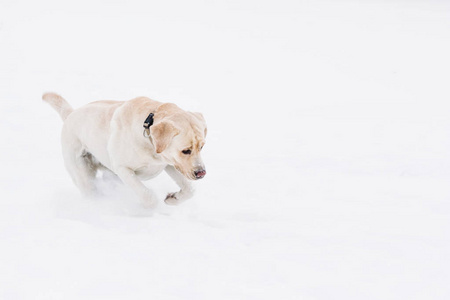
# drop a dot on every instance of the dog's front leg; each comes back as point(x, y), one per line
point(129, 177)
point(186, 189)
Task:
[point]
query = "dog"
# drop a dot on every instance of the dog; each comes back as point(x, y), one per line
point(135, 140)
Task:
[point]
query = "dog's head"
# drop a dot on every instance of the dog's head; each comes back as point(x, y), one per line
point(179, 139)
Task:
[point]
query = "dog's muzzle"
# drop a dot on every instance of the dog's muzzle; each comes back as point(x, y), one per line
point(199, 174)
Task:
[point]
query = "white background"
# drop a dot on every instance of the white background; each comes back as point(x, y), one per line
point(327, 155)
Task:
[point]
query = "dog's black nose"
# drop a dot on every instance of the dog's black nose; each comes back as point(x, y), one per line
point(200, 174)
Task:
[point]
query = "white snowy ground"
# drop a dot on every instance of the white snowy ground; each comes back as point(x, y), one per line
point(327, 154)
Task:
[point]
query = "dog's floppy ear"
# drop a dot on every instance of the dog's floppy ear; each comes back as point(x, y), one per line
point(162, 134)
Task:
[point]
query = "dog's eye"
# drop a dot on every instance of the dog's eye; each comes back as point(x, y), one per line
point(187, 151)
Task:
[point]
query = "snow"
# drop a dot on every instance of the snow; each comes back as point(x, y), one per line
point(327, 150)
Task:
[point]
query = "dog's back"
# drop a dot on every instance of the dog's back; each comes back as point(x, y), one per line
point(86, 128)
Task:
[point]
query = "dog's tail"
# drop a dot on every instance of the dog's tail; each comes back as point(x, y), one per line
point(59, 104)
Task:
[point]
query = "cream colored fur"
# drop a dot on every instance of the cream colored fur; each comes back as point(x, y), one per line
point(109, 135)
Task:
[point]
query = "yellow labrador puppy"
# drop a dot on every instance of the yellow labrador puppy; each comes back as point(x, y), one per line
point(136, 140)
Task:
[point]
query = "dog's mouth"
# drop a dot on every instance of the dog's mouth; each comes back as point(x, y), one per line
point(194, 175)
point(199, 174)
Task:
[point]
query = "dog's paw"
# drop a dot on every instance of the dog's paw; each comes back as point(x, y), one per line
point(172, 199)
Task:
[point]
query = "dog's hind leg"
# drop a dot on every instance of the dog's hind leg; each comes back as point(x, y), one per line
point(79, 164)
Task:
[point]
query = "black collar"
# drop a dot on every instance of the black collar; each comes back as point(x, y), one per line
point(149, 121)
